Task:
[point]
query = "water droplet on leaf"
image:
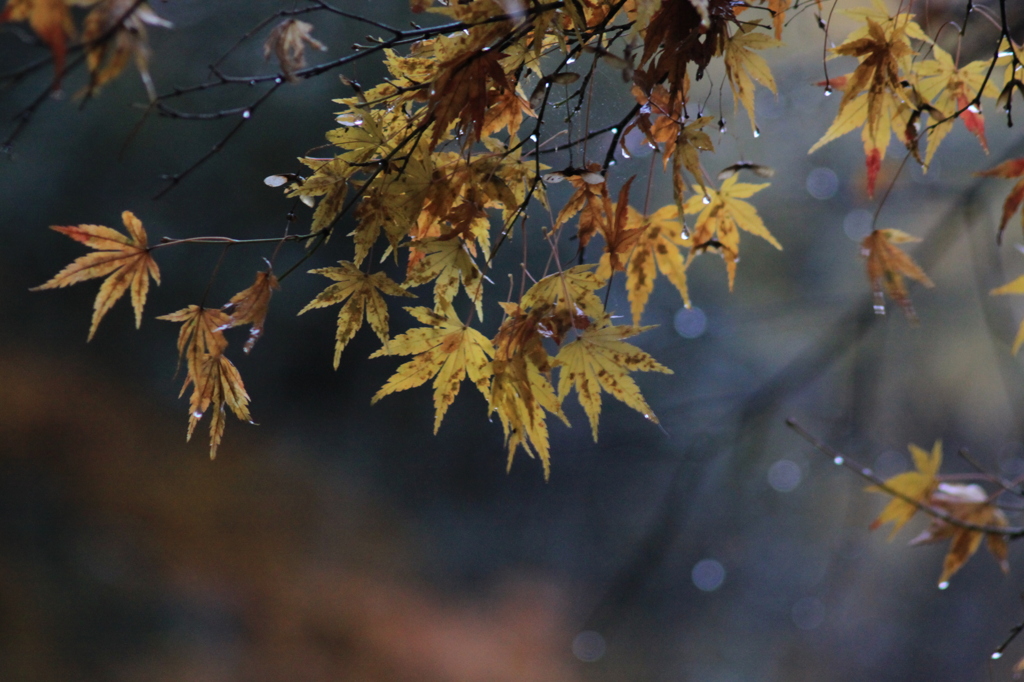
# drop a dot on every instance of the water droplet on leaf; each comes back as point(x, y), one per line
point(943, 585)
point(757, 132)
point(838, 461)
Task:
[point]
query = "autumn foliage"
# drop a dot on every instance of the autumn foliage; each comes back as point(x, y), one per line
point(479, 142)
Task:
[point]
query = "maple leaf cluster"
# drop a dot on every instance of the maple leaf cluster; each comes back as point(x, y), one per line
point(964, 514)
point(451, 158)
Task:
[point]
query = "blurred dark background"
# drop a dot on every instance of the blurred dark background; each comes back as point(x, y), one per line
point(339, 540)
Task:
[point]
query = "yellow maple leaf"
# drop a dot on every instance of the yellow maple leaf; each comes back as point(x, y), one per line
point(521, 391)
point(1014, 287)
point(599, 360)
point(967, 504)
point(916, 485)
point(743, 66)
point(446, 350)
point(125, 260)
point(951, 89)
point(214, 379)
point(201, 334)
point(657, 249)
point(360, 296)
point(571, 290)
point(446, 261)
point(874, 93)
point(721, 212)
point(218, 385)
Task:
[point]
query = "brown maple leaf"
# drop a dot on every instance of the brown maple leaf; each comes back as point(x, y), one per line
point(51, 21)
point(887, 265)
point(125, 260)
point(463, 92)
point(288, 43)
point(621, 234)
point(250, 306)
point(114, 31)
point(968, 504)
point(1014, 168)
point(590, 200)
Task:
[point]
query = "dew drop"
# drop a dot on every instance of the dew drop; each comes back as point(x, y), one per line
point(647, 416)
point(838, 461)
point(866, 472)
point(721, 125)
point(533, 138)
point(706, 200)
point(252, 82)
point(614, 131)
point(944, 584)
point(278, 80)
point(757, 132)
point(570, 60)
point(625, 154)
point(879, 309)
point(246, 114)
point(197, 415)
point(685, 234)
point(996, 655)
point(612, 162)
point(828, 91)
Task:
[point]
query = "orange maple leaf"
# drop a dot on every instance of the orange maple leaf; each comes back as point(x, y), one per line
point(125, 261)
point(887, 265)
point(51, 21)
point(621, 234)
point(250, 306)
point(1014, 168)
point(217, 384)
point(201, 334)
point(590, 200)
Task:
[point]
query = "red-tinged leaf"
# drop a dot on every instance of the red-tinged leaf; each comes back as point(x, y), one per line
point(974, 120)
point(1014, 168)
point(51, 21)
point(125, 261)
point(873, 163)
